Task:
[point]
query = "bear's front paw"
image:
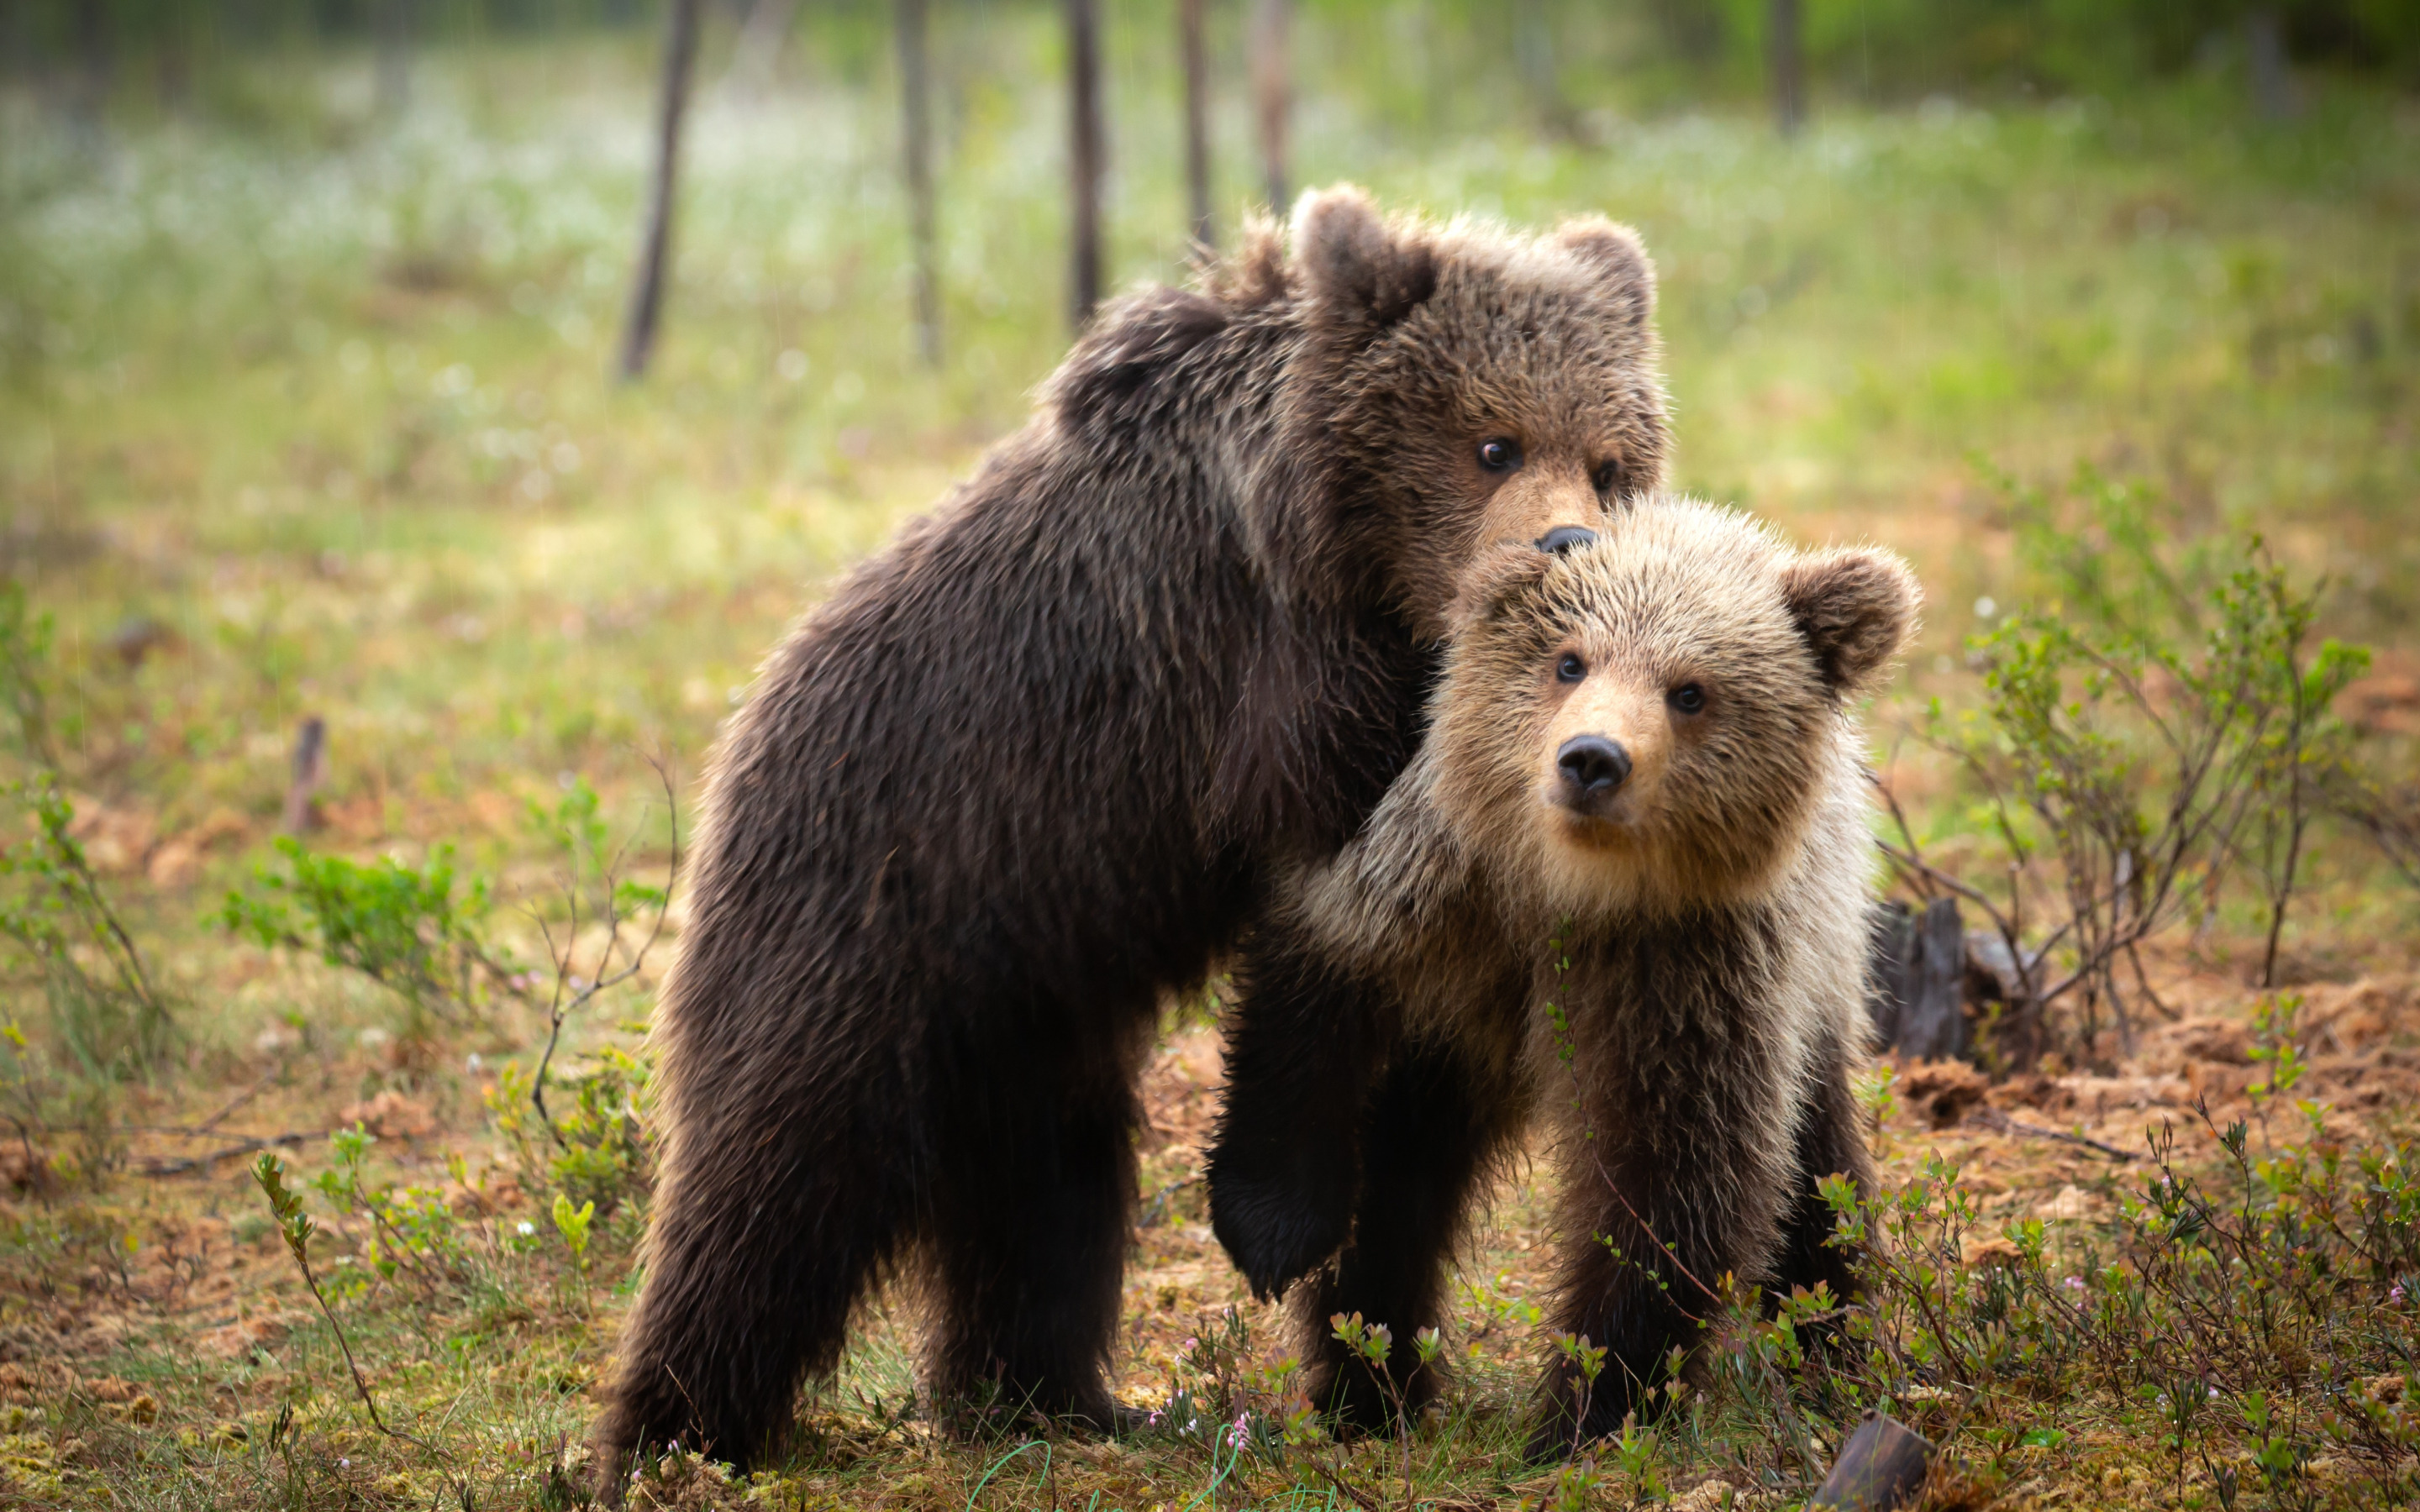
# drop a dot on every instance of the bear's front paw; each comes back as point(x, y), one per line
point(1273, 1233)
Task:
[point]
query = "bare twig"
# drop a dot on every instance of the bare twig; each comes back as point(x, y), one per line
point(1360, 1498)
point(560, 1005)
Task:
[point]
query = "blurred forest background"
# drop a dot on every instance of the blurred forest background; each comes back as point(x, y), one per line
point(383, 548)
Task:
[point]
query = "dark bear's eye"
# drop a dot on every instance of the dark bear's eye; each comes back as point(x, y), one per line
point(1688, 698)
point(1571, 669)
point(1499, 455)
point(1607, 478)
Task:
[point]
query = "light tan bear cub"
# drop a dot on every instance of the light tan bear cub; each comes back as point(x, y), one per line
point(1639, 799)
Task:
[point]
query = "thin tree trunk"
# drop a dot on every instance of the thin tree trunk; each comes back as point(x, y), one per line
point(2273, 84)
point(93, 63)
point(1084, 158)
point(1271, 93)
point(758, 48)
point(1788, 66)
point(1197, 119)
point(174, 37)
point(1533, 46)
point(654, 251)
point(14, 62)
point(394, 56)
point(915, 91)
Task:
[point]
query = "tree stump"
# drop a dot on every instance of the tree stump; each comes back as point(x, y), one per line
point(1916, 979)
point(310, 771)
point(1880, 1468)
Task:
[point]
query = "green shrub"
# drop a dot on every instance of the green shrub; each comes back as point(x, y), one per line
point(597, 1149)
point(403, 926)
point(2233, 1308)
point(111, 1013)
point(2154, 730)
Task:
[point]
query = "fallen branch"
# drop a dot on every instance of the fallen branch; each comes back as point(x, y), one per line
point(1361, 1498)
point(186, 1163)
point(2000, 1123)
point(242, 1098)
point(1154, 1210)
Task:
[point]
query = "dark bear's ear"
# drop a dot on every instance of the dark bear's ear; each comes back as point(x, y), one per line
point(1615, 255)
point(1856, 609)
point(1355, 270)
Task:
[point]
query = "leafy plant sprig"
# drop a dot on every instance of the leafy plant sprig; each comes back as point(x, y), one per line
point(295, 1228)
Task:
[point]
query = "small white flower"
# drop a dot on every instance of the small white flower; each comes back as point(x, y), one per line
point(525, 1227)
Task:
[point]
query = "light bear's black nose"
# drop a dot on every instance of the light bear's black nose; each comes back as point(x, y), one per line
point(1592, 764)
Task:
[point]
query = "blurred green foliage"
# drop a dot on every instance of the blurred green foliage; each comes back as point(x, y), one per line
point(1871, 49)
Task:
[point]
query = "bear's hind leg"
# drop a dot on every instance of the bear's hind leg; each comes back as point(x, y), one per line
point(764, 1235)
point(1431, 1129)
point(1031, 1218)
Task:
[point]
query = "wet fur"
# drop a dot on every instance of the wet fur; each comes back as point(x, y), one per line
point(1391, 1042)
point(1024, 772)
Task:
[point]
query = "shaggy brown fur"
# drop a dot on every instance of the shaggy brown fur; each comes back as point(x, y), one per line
point(1643, 738)
point(1025, 771)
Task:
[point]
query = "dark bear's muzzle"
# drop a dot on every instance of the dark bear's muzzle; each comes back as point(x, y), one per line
point(1593, 767)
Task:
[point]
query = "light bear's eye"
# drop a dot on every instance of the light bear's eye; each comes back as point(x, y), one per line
point(1571, 669)
point(1499, 455)
point(1607, 478)
point(1687, 699)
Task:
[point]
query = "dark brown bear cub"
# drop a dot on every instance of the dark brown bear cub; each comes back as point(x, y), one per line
point(1026, 771)
point(1639, 802)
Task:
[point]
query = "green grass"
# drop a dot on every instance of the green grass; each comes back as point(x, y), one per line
point(318, 407)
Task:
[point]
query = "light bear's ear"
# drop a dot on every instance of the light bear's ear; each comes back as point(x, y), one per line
point(1614, 253)
point(1856, 608)
point(1496, 576)
point(1356, 271)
